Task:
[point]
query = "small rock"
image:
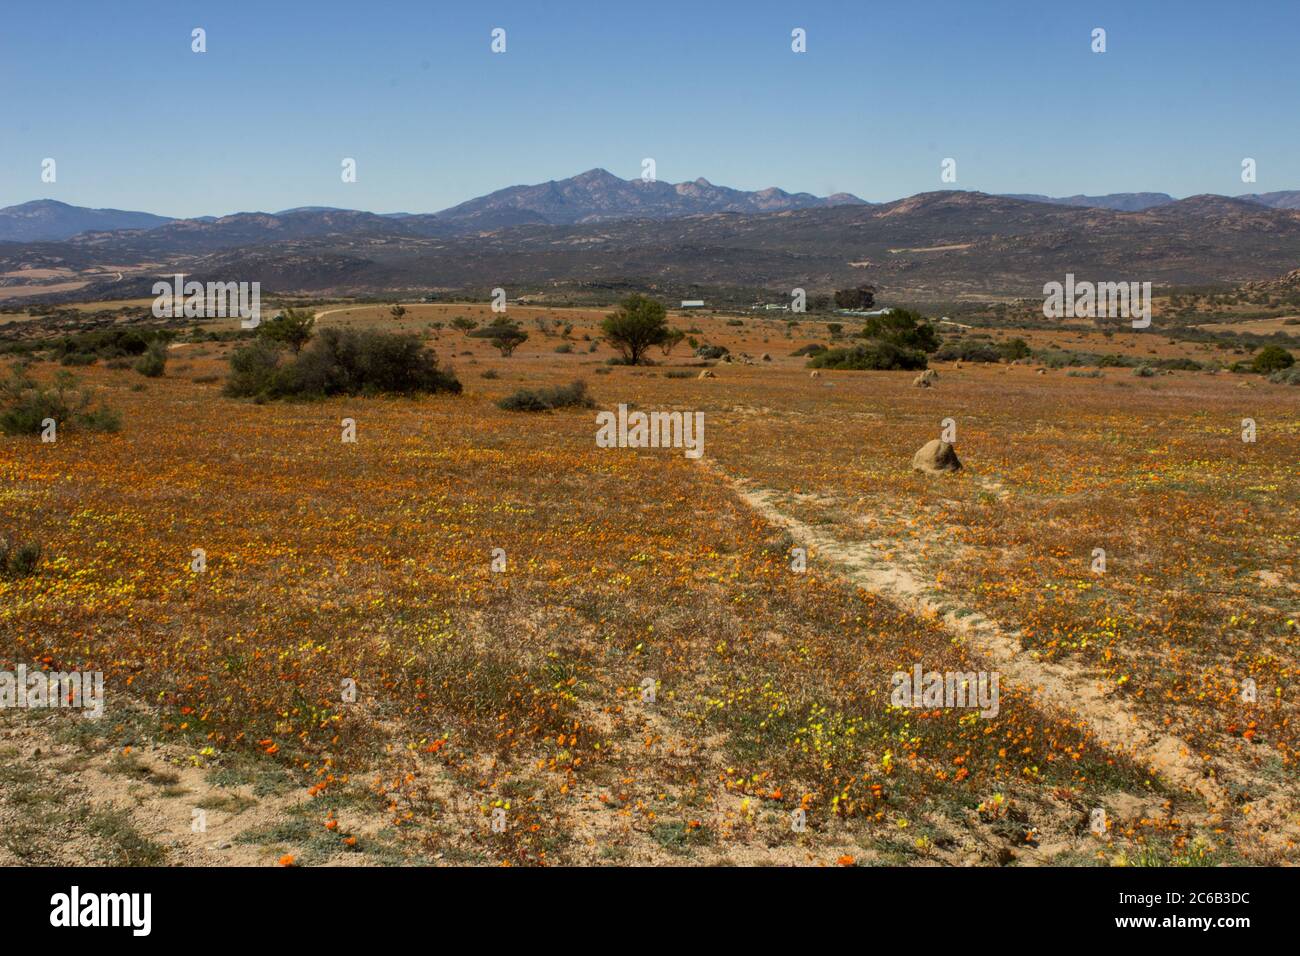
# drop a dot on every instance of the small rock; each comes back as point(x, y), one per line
point(936, 457)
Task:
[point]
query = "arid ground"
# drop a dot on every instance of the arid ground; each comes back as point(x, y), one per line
point(370, 564)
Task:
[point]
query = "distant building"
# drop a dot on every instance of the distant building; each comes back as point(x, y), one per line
point(692, 303)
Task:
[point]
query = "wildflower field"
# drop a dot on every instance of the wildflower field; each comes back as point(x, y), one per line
point(474, 637)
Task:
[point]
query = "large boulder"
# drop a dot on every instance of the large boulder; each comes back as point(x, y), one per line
point(935, 458)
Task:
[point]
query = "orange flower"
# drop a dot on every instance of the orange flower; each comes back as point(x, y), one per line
point(287, 860)
point(845, 860)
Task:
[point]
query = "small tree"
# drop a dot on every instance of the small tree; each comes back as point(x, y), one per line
point(397, 311)
point(507, 339)
point(639, 323)
point(903, 328)
point(671, 340)
point(859, 299)
point(293, 328)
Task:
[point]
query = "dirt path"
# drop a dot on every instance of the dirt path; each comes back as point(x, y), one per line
point(1069, 688)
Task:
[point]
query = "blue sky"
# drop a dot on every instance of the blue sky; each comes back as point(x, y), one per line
point(411, 90)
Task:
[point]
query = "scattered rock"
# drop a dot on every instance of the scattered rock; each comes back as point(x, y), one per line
point(707, 374)
point(814, 374)
point(936, 457)
point(926, 379)
point(766, 357)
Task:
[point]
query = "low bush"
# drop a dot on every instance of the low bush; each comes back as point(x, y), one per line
point(878, 356)
point(19, 561)
point(339, 362)
point(154, 361)
point(25, 405)
point(573, 395)
point(968, 350)
point(1272, 358)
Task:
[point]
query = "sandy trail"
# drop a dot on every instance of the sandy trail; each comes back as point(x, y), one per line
point(1069, 688)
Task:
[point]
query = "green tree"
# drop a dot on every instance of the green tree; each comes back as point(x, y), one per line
point(507, 339)
point(859, 299)
point(639, 323)
point(292, 327)
point(903, 328)
point(671, 340)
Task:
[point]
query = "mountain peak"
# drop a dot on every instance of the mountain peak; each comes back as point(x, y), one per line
point(49, 220)
point(595, 175)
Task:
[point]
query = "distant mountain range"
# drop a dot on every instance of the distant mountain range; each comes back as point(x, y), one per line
point(591, 197)
point(1136, 202)
point(43, 220)
point(927, 248)
point(597, 231)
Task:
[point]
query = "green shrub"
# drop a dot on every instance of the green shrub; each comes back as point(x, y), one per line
point(813, 348)
point(292, 327)
point(1014, 350)
point(1287, 376)
point(968, 350)
point(153, 362)
point(878, 356)
point(340, 362)
point(25, 405)
point(1144, 371)
point(573, 395)
point(1272, 358)
point(109, 343)
point(902, 328)
point(20, 561)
